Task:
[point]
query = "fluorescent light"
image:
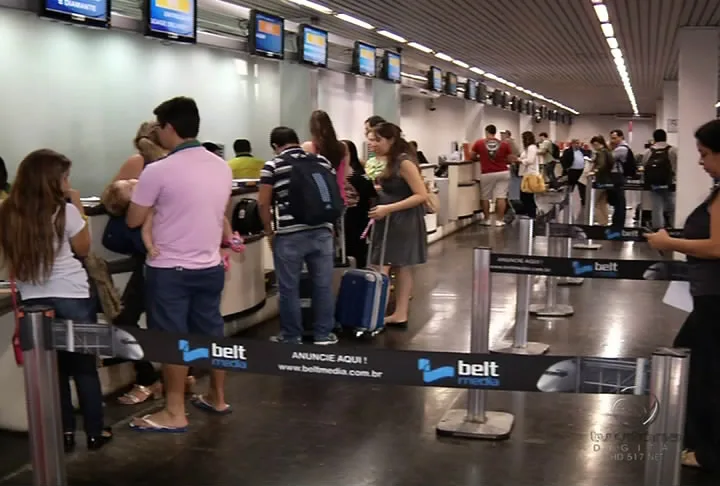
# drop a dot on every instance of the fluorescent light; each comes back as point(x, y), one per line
point(477, 71)
point(444, 57)
point(490, 76)
point(612, 42)
point(616, 53)
point(354, 21)
point(608, 29)
point(392, 36)
point(461, 64)
point(619, 61)
point(512, 85)
point(413, 76)
point(420, 47)
point(602, 12)
point(313, 5)
point(717, 105)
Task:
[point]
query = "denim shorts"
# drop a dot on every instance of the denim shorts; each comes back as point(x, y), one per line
point(185, 301)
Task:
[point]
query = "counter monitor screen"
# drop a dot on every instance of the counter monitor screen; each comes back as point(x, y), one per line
point(471, 89)
point(482, 94)
point(435, 80)
point(451, 84)
point(266, 35)
point(529, 107)
point(171, 19)
point(94, 13)
point(364, 59)
point(313, 45)
point(391, 66)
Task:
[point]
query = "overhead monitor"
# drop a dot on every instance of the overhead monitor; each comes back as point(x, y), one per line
point(471, 90)
point(391, 66)
point(482, 93)
point(93, 13)
point(451, 84)
point(435, 81)
point(364, 59)
point(497, 98)
point(174, 20)
point(312, 45)
point(266, 35)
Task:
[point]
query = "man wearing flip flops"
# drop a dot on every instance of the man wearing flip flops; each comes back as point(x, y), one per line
point(189, 192)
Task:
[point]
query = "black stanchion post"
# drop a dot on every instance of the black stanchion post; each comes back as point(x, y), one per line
point(551, 308)
point(590, 212)
point(520, 344)
point(42, 396)
point(668, 396)
point(476, 422)
point(569, 219)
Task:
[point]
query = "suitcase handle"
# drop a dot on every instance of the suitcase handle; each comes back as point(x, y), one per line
point(384, 240)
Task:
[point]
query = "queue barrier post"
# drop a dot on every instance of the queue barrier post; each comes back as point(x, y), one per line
point(42, 395)
point(476, 422)
point(590, 212)
point(568, 218)
point(551, 308)
point(668, 400)
point(520, 343)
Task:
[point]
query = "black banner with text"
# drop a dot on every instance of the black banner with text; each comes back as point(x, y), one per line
point(589, 267)
point(600, 233)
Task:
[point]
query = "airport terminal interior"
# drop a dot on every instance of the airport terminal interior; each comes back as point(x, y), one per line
point(79, 77)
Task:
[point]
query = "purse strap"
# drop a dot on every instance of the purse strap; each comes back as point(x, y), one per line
point(14, 299)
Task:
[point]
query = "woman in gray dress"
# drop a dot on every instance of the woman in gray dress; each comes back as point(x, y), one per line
point(400, 207)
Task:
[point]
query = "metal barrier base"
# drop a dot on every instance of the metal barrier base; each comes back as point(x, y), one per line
point(570, 281)
point(557, 310)
point(531, 348)
point(587, 246)
point(497, 425)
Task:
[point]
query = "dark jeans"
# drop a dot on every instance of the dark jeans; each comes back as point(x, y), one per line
point(573, 180)
point(529, 207)
point(133, 300)
point(701, 334)
point(81, 367)
point(616, 199)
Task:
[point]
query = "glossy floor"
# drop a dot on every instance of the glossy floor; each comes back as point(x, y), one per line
point(305, 432)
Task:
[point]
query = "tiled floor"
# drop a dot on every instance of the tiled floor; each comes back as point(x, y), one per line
point(305, 432)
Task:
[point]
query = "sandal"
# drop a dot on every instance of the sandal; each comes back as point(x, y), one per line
point(140, 394)
point(688, 459)
point(190, 382)
point(146, 424)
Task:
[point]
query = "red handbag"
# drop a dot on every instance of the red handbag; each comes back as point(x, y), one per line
point(17, 349)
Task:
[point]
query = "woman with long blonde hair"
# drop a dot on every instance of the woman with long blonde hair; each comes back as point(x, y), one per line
point(42, 234)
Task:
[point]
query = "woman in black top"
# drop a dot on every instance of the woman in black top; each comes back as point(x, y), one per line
point(356, 216)
point(701, 330)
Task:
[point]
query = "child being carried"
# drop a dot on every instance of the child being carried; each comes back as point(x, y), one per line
point(117, 200)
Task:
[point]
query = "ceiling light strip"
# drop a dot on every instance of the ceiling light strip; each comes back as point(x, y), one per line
point(608, 31)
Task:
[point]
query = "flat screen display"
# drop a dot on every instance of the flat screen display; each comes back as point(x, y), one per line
point(451, 84)
point(364, 59)
point(95, 13)
point(313, 46)
point(171, 19)
point(482, 94)
point(471, 90)
point(435, 79)
point(392, 65)
point(266, 36)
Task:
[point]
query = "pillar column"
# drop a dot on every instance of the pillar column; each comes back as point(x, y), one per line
point(552, 133)
point(386, 100)
point(670, 111)
point(697, 95)
point(660, 114)
point(298, 97)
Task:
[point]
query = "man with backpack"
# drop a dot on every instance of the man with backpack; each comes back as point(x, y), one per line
point(304, 191)
point(660, 167)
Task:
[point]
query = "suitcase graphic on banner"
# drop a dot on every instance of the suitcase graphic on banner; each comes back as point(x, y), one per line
point(362, 298)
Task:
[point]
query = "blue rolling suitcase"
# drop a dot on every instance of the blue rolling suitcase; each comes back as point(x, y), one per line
point(362, 297)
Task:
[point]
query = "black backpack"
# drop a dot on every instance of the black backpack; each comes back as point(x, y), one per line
point(246, 217)
point(555, 151)
point(313, 192)
point(658, 169)
point(630, 165)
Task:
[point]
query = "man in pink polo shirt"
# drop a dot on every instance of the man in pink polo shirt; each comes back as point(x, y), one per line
point(189, 192)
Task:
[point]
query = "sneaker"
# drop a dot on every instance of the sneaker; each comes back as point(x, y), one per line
point(329, 339)
point(499, 223)
point(285, 340)
point(486, 222)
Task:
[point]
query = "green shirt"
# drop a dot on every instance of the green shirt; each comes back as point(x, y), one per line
point(245, 166)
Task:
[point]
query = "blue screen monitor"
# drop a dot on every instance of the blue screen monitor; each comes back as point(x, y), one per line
point(451, 84)
point(471, 89)
point(392, 66)
point(174, 20)
point(266, 35)
point(93, 13)
point(364, 59)
point(435, 79)
point(312, 45)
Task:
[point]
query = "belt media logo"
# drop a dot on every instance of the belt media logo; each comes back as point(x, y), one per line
point(483, 374)
point(234, 356)
point(601, 269)
point(612, 234)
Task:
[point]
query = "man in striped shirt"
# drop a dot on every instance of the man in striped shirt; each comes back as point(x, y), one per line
point(294, 244)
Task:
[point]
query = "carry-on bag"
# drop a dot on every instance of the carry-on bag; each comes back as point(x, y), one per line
point(363, 295)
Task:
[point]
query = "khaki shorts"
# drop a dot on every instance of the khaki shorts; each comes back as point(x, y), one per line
point(494, 185)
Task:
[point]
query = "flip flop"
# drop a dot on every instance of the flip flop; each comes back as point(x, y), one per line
point(199, 401)
point(155, 427)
